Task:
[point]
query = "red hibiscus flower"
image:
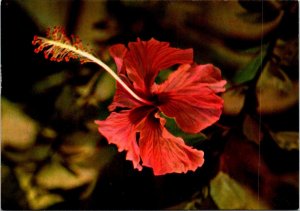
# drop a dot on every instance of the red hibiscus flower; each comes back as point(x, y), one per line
point(188, 96)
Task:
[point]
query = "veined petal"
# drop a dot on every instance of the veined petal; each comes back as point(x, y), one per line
point(119, 129)
point(164, 152)
point(118, 52)
point(122, 98)
point(145, 59)
point(189, 95)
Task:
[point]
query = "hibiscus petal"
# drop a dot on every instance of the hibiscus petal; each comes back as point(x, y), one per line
point(189, 95)
point(118, 52)
point(119, 129)
point(164, 152)
point(122, 98)
point(145, 59)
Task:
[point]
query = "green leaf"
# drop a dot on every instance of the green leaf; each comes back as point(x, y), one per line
point(163, 75)
point(250, 70)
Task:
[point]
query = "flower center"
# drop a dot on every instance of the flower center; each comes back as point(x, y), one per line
point(155, 99)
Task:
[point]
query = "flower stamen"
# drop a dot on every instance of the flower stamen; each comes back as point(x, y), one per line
point(58, 47)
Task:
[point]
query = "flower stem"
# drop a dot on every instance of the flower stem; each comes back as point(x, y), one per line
point(99, 62)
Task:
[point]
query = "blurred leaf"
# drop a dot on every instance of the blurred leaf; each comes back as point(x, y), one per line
point(37, 197)
point(69, 106)
point(39, 152)
point(250, 165)
point(24, 175)
point(234, 99)
point(5, 171)
point(287, 140)
point(275, 90)
point(18, 130)
point(12, 197)
point(36, 153)
point(250, 70)
point(49, 13)
point(54, 175)
point(80, 138)
point(14, 156)
point(286, 52)
point(162, 76)
point(50, 82)
point(252, 129)
point(48, 133)
point(105, 87)
point(81, 148)
point(85, 91)
point(42, 199)
point(229, 194)
point(82, 161)
point(199, 201)
point(94, 25)
point(273, 77)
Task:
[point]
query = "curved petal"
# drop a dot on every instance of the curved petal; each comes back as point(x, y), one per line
point(164, 152)
point(119, 129)
point(122, 98)
point(145, 59)
point(118, 52)
point(189, 95)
